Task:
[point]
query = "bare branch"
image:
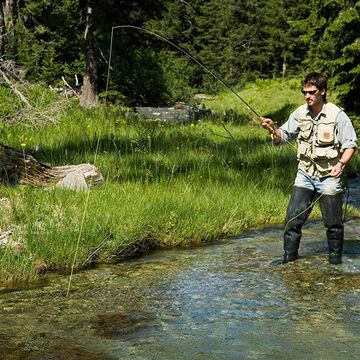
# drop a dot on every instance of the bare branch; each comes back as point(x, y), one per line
point(14, 89)
point(69, 87)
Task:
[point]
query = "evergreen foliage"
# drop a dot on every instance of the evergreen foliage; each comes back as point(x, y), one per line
point(241, 40)
point(48, 39)
point(333, 38)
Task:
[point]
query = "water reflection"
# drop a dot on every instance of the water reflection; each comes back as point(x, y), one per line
point(226, 301)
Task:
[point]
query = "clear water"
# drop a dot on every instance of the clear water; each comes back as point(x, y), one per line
point(231, 300)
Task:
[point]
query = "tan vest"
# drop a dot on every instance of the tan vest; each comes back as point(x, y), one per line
point(318, 146)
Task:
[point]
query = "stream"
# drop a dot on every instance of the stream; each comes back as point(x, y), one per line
point(229, 300)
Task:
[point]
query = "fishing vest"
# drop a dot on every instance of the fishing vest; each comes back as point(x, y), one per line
point(318, 146)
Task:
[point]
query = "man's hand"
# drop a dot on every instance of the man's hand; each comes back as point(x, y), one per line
point(337, 170)
point(269, 125)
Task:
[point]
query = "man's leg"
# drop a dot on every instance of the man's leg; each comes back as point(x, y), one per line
point(331, 209)
point(298, 211)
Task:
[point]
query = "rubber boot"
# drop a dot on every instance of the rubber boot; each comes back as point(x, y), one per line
point(298, 211)
point(331, 209)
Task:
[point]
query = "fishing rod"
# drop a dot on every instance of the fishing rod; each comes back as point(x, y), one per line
point(212, 73)
point(203, 66)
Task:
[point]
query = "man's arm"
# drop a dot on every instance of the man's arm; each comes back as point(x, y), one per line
point(287, 132)
point(345, 158)
point(347, 137)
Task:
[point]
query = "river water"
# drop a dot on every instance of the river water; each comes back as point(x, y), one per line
point(230, 300)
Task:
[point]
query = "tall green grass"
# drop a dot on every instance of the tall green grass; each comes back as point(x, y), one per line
point(274, 98)
point(164, 186)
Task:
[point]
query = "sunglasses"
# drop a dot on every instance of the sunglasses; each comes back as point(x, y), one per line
point(310, 92)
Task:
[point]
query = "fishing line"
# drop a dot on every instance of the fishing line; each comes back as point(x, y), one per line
point(347, 196)
point(317, 198)
point(197, 61)
point(82, 224)
point(211, 72)
point(345, 190)
point(206, 68)
point(78, 242)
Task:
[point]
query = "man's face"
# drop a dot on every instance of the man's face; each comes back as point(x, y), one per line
point(313, 95)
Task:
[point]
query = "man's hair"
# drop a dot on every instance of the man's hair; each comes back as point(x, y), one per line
point(317, 80)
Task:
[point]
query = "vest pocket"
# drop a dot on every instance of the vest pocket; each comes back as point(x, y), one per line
point(304, 148)
point(325, 153)
point(325, 134)
point(305, 128)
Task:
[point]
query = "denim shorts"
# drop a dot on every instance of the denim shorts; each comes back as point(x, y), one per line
point(327, 185)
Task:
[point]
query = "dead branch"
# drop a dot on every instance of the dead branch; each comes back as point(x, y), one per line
point(73, 91)
point(17, 167)
point(14, 89)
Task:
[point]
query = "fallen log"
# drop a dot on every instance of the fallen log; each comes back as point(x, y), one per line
point(17, 167)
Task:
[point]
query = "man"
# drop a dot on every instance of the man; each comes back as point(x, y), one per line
point(326, 142)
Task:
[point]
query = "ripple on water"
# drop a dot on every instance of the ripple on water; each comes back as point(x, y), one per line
point(224, 301)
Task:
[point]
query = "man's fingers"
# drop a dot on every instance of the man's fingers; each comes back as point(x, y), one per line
point(266, 123)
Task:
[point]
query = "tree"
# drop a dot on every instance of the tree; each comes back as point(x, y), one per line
point(8, 19)
point(89, 95)
point(2, 29)
point(49, 39)
point(239, 39)
point(333, 34)
point(281, 46)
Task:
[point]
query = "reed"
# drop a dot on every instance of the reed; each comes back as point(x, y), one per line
point(165, 186)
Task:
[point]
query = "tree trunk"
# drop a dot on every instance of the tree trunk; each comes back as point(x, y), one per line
point(17, 167)
point(284, 66)
point(9, 8)
point(89, 96)
point(2, 30)
point(10, 14)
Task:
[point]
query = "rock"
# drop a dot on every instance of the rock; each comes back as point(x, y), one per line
point(74, 180)
point(203, 97)
point(6, 240)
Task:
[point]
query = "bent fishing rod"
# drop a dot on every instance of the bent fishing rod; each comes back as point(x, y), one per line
point(197, 61)
point(212, 73)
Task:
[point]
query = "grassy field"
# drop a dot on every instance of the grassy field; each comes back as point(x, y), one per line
point(164, 185)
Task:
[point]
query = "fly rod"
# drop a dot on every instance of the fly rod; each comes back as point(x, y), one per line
point(216, 76)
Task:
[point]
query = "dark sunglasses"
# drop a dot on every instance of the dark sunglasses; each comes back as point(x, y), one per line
point(310, 92)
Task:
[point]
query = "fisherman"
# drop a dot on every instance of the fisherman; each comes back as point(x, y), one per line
point(326, 142)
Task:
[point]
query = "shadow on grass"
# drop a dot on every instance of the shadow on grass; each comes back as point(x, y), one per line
point(281, 115)
point(165, 154)
point(163, 143)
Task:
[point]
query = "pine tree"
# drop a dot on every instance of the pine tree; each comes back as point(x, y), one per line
point(333, 34)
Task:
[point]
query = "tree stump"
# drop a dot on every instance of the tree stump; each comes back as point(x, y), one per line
point(17, 167)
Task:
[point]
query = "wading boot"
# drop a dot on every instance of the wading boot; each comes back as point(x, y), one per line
point(298, 211)
point(331, 209)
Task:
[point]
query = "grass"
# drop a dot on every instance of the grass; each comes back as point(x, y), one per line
point(164, 186)
point(275, 98)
